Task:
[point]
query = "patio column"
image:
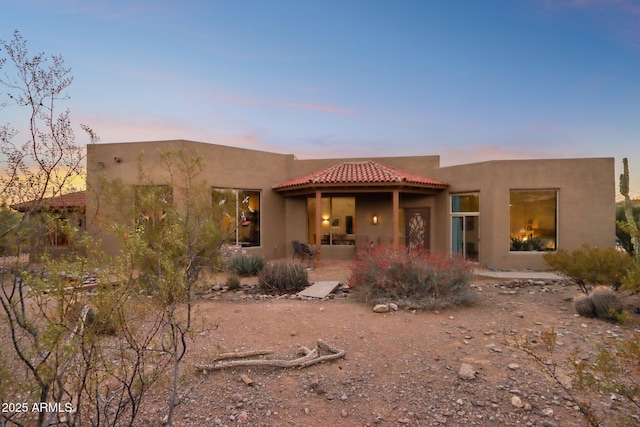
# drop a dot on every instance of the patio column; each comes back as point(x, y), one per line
point(396, 219)
point(318, 223)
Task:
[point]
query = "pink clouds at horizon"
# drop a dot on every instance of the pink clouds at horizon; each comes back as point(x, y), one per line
point(258, 102)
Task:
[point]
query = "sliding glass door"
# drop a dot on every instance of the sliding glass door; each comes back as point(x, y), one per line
point(465, 236)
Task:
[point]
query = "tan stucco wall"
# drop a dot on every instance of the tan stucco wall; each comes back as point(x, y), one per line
point(225, 167)
point(586, 204)
point(586, 192)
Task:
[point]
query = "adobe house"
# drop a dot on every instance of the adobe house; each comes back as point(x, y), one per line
point(503, 213)
point(50, 236)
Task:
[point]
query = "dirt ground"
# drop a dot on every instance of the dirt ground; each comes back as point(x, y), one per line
point(401, 368)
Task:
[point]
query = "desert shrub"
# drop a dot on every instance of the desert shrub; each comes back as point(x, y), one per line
point(283, 277)
point(612, 371)
point(591, 266)
point(412, 279)
point(246, 265)
point(100, 321)
point(631, 280)
point(233, 282)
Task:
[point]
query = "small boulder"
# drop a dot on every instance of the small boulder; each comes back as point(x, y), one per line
point(466, 372)
point(381, 308)
point(516, 402)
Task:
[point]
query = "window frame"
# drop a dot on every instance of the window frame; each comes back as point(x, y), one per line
point(460, 246)
point(254, 216)
point(530, 227)
point(346, 225)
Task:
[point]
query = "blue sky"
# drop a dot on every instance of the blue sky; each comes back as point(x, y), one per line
point(468, 80)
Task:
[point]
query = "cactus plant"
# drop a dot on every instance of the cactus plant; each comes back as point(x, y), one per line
point(246, 265)
point(630, 224)
point(605, 303)
point(584, 306)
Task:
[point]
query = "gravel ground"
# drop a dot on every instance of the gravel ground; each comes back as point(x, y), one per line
point(455, 367)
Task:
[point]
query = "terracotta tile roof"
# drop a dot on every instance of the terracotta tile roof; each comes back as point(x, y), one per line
point(64, 201)
point(360, 172)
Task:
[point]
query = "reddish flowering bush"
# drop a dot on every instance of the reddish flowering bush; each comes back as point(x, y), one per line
point(412, 279)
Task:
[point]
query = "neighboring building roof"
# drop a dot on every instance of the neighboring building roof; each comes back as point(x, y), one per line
point(65, 201)
point(359, 174)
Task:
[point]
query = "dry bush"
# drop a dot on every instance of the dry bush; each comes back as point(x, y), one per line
point(283, 277)
point(412, 279)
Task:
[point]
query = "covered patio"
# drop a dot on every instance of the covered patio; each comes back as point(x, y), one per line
point(390, 206)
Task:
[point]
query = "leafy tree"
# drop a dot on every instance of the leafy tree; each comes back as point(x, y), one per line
point(45, 160)
point(41, 161)
point(13, 235)
point(168, 236)
point(55, 347)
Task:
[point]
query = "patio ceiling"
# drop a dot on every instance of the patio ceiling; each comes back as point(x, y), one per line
point(359, 176)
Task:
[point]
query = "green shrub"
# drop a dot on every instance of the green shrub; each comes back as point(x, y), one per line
point(591, 266)
point(283, 277)
point(233, 282)
point(631, 281)
point(411, 279)
point(246, 265)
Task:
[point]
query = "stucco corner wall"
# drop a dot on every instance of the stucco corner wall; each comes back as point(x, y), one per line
point(224, 167)
point(586, 204)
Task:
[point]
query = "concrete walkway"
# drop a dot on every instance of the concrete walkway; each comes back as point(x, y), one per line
point(525, 274)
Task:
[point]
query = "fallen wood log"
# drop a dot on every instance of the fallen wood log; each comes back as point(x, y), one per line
point(241, 354)
point(310, 357)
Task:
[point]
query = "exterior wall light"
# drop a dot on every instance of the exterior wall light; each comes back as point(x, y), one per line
point(374, 220)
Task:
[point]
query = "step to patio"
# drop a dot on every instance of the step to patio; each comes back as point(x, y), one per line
point(319, 289)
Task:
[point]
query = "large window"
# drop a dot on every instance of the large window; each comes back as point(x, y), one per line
point(338, 220)
point(533, 220)
point(239, 215)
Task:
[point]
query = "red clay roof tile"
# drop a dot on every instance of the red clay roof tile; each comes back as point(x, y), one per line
point(69, 200)
point(360, 172)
